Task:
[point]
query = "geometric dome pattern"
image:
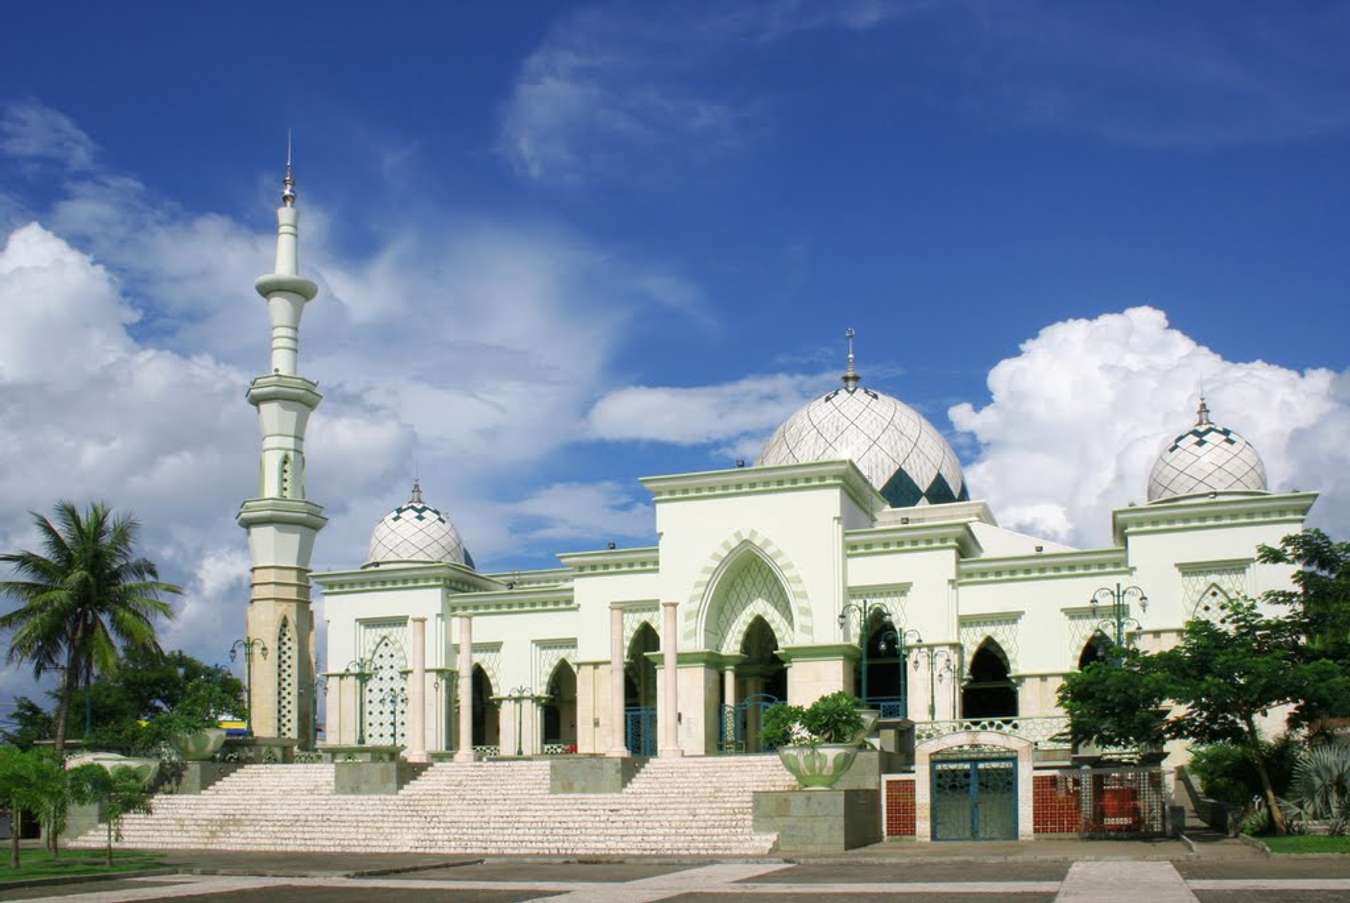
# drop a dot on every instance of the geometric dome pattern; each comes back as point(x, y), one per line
point(415, 531)
point(1206, 458)
point(899, 452)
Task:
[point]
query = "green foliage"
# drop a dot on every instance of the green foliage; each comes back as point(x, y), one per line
point(49, 794)
point(30, 723)
point(1308, 843)
point(830, 719)
point(119, 792)
point(1116, 703)
point(1321, 787)
point(72, 863)
point(16, 791)
point(1227, 771)
point(84, 596)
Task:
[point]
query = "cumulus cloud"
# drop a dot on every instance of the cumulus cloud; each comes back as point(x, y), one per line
point(698, 415)
point(1079, 415)
point(585, 511)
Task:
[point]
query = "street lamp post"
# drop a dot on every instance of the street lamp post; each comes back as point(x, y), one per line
point(361, 672)
point(248, 644)
point(1118, 618)
point(939, 666)
point(519, 694)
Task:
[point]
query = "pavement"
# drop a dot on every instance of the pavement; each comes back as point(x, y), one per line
point(1043, 871)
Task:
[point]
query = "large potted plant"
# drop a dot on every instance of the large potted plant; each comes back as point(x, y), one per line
point(818, 743)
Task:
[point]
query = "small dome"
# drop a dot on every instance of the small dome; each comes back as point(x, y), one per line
point(1206, 458)
point(416, 532)
point(900, 452)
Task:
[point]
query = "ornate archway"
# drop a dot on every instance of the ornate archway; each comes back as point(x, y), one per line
point(791, 620)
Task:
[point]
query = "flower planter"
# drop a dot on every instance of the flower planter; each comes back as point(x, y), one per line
point(200, 746)
point(818, 767)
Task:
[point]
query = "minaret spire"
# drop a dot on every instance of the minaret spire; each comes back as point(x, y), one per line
point(1202, 414)
point(281, 522)
point(851, 377)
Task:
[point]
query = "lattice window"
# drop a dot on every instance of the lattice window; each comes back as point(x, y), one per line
point(747, 590)
point(286, 681)
point(1001, 628)
point(387, 695)
point(635, 615)
point(1204, 588)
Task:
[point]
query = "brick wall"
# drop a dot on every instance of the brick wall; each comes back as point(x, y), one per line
point(1055, 804)
point(899, 807)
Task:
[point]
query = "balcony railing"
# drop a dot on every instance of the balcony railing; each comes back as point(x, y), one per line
point(1040, 730)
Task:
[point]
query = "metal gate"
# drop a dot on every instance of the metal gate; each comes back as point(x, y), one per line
point(741, 724)
point(974, 799)
point(639, 730)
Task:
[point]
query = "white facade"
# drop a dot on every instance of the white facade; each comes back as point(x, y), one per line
point(757, 565)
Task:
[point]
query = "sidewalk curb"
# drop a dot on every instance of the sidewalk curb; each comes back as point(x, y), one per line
point(1254, 844)
point(1189, 843)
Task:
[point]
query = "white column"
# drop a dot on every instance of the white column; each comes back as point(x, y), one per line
point(417, 695)
point(464, 750)
point(617, 742)
point(668, 716)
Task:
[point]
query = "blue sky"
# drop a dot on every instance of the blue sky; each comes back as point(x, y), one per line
point(562, 246)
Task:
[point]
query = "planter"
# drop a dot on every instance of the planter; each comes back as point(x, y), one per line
point(200, 746)
point(818, 767)
point(146, 768)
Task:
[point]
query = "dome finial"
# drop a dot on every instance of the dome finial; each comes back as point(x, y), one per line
point(851, 377)
point(416, 497)
point(1202, 414)
point(288, 182)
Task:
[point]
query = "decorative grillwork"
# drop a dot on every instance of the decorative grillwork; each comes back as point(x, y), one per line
point(559, 749)
point(286, 695)
point(1121, 801)
point(975, 799)
point(487, 750)
point(1041, 731)
point(640, 730)
point(386, 708)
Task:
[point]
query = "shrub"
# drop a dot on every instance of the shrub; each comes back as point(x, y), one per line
point(1321, 787)
point(830, 719)
point(1227, 773)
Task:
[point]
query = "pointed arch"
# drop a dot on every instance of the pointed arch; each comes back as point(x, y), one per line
point(741, 542)
point(989, 690)
point(1209, 606)
point(560, 710)
point(485, 716)
point(287, 702)
point(1094, 650)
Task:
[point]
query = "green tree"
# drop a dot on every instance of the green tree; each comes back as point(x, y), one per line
point(16, 783)
point(29, 724)
point(49, 795)
point(119, 792)
point(82, 595)
point(1118, 702)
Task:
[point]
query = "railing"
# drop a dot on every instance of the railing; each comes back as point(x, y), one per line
point(493, 750)
point(559, 749)
point(891, 707)
point(1040, 731)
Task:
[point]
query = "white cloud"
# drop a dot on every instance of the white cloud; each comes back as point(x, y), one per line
point(587, 511)
point(698, 415)
point(1078, 417)
point(32, 131)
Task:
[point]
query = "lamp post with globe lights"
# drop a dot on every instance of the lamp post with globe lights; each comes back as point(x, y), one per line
point(1118, 620)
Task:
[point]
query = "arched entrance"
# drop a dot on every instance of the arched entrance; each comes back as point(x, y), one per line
point(486, 718)
point(887, 679)
point(989, 691)
point(973, 785)
point(639, 693)
point(760, 680)
point(560, 712)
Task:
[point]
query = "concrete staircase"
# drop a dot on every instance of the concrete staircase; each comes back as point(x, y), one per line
point(688, 806)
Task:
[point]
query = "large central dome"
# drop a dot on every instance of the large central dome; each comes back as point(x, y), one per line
point(899, 452)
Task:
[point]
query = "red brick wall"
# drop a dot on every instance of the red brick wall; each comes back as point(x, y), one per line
point(1055, 804)
point(900, 807)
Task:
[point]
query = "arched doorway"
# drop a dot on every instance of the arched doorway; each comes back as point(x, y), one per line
point(1096, 649)
point(560, 712)
point(887, 679)
point(989, 691)
point(486, 718)
point(639, 696)
point(760, 681)
point(386, 702)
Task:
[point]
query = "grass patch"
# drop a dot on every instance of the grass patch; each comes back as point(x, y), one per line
point(1308, 843)
point(35, 863)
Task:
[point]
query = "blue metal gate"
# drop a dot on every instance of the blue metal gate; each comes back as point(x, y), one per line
point(639, 733)
point(974, 799)
point(740, 725)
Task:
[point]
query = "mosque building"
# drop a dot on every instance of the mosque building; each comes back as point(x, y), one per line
point(852, 555)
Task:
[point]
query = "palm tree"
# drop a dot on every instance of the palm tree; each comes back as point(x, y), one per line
point(82, 595)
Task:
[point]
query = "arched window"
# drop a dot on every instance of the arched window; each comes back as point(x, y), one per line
point(286, 681)
point(1096, 649)
point(989, 691)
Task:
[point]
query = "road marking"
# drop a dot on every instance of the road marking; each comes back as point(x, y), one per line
point(1110, 881)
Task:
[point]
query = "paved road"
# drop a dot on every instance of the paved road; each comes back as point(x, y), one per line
point(1265, 881)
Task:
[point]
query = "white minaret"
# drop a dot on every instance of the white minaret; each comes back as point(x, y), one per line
point(281, 522)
